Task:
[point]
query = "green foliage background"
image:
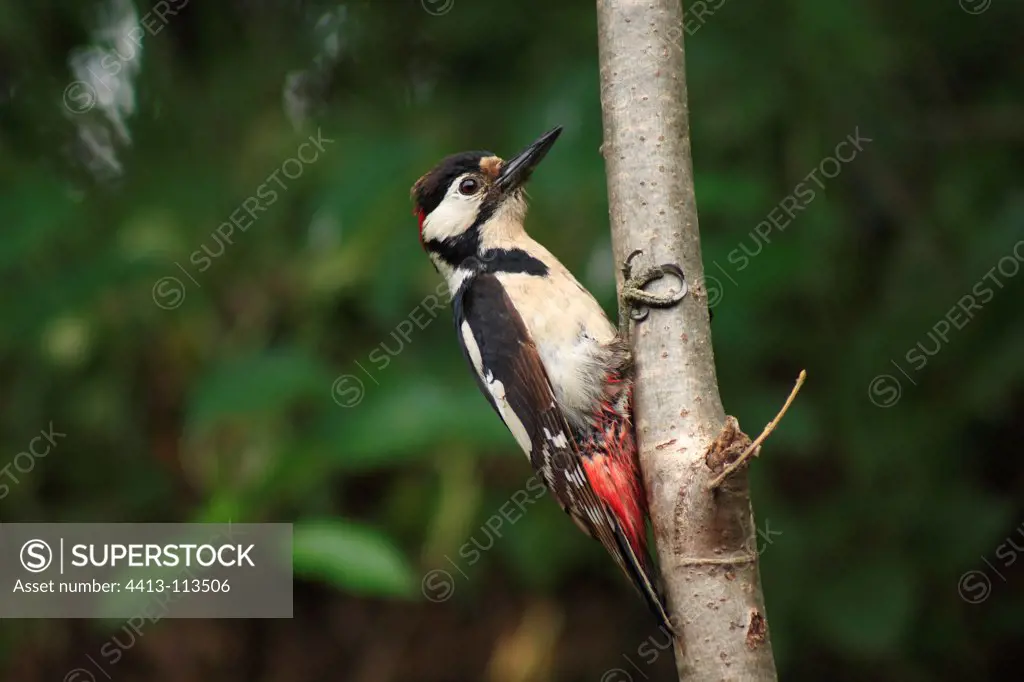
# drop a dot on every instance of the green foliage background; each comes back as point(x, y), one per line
point(227, 405)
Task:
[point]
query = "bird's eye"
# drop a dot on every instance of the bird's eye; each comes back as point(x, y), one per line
point(468, 186)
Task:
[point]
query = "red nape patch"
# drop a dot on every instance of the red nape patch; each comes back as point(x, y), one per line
point(420, 216)
point(615, 480)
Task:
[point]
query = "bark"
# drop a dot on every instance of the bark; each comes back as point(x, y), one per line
point(705, 539)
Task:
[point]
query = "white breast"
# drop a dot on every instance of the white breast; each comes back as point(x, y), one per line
point(570, 330)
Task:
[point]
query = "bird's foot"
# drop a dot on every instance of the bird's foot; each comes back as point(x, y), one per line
point(636, 299)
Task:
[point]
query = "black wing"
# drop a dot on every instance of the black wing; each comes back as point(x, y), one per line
point(510, 374)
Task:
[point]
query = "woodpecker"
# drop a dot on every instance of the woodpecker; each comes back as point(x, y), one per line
point(543, 352)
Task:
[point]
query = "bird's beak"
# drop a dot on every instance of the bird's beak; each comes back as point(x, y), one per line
point(516, 171)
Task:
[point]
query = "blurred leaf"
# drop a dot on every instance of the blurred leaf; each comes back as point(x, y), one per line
point(264, 382)
point(351, 557)
point(408, 420)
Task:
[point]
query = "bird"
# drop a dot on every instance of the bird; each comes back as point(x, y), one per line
point(548, 359)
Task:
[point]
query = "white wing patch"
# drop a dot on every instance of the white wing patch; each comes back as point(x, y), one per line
point(559, 441)
point(472, 348)
point(455, 279)
point(575, 476)
point(497, 391)
point(513, 422)
point(547, 470)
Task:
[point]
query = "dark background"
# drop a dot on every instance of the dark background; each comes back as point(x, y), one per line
point(299, 378)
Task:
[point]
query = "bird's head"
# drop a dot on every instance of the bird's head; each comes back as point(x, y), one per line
point(469, 195)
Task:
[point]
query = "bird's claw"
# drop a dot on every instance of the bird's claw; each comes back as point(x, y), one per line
point(639, 300)
point(627, 265)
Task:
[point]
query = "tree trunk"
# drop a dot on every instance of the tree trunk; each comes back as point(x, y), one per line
point(705, 539)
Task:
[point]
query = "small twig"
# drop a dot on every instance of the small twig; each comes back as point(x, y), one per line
point(717, 480)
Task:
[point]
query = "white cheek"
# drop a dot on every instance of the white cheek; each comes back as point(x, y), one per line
point(451, 218)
